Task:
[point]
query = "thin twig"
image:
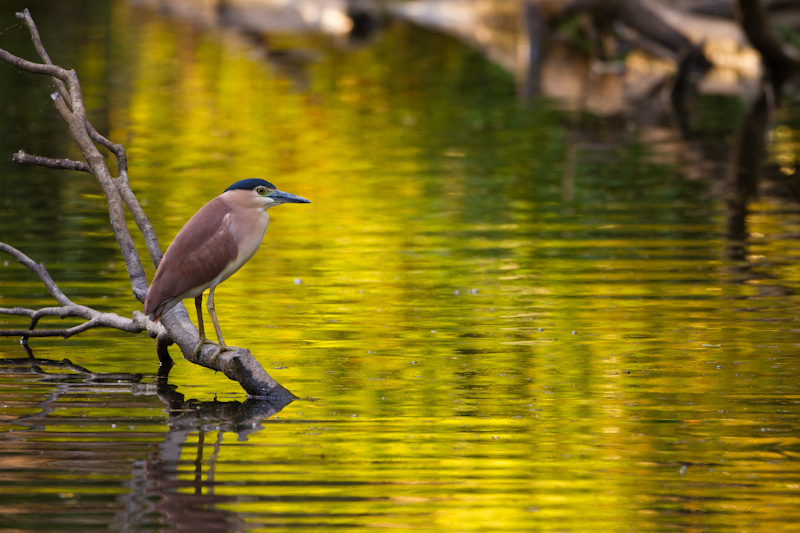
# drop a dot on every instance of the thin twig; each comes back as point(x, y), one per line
point(142, 222)
point(50, 162)
point(123, 186)
point(94, 319)
point(38, 269)
point(65, 333)
point(68, 308)
point(117, 149)
point(26, 17)
point(124, 189)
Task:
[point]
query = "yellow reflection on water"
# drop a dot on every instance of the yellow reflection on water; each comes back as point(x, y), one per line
point(473, 352)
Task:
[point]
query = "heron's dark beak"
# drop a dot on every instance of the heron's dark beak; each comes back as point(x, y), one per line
point(281, 197)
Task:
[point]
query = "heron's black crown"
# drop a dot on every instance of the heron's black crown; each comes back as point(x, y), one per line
point(251, 183)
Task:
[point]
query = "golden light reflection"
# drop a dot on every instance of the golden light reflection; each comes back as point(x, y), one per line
point(474, 353)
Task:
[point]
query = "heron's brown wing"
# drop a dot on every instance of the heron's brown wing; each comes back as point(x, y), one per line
point(200, 251)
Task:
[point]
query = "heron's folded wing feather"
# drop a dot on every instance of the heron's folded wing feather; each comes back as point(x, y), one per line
point(200, 251)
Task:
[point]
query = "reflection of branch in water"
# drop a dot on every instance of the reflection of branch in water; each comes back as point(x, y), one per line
point(157, 487)
point(780, 62)
point(747, 164)
point(74, 374)
point(32, 365)
point(160, 490)
point(748, 157)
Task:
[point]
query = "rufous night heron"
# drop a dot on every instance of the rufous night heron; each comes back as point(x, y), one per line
point(221, 237)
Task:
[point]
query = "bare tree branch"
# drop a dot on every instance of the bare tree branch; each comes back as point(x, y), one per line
point(66, 333)
point(68, 308)
point(24, 158)
point(37, 44)
point(39, 270)
point(34, 68)
point(73, 111)
point(175, 326)
point(131, 202)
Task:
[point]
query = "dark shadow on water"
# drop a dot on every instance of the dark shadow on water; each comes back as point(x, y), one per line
point(163, 492)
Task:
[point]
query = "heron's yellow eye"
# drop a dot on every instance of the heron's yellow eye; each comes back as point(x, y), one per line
point(261, 190)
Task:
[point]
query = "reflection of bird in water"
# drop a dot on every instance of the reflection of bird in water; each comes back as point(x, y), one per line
point(163, 494)
point(221, 237)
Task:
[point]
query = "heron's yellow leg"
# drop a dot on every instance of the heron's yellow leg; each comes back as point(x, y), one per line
point(198, 303)
point(213, 314)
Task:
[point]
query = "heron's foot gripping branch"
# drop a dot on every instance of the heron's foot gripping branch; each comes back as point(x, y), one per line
point(203, 340)
point(221, 348)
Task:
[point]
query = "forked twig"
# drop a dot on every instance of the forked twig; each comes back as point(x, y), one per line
point(68, 308)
